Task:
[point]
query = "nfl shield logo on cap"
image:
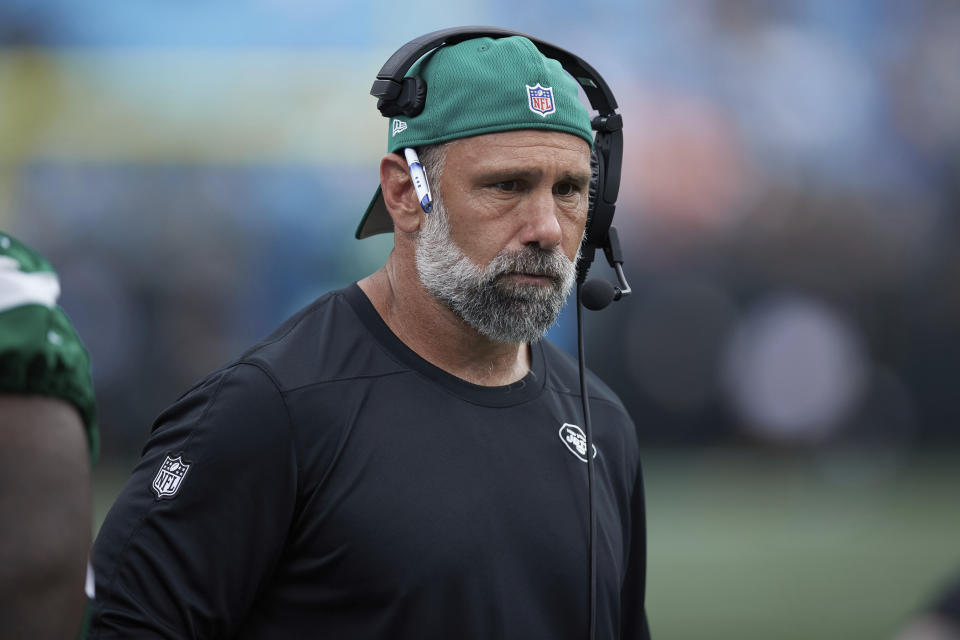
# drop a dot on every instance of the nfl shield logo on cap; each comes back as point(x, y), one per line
point(540, 99)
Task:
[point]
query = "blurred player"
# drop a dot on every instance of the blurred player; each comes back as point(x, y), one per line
point(48, 438)
point(941, 621)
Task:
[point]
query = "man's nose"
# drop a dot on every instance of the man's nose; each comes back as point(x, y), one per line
point(542, 222)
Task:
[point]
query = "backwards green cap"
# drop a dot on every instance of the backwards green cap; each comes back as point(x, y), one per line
point(478, 86)
point(40, 352)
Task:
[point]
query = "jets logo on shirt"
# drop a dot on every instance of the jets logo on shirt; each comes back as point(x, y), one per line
point(170, 476)
point(576, 441)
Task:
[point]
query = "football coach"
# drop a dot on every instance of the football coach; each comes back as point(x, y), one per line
point(407, 458)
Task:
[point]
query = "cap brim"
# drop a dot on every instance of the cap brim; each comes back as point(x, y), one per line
point(376, 220)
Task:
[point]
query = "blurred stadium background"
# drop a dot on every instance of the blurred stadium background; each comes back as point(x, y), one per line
point(789, 209)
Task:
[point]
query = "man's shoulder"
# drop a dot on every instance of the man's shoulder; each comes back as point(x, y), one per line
point(563, 376)
point(259, 399)
point(611, 422)
point(40, 350)
point(327, 340)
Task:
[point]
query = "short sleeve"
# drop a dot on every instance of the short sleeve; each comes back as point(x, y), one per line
point(40, 351)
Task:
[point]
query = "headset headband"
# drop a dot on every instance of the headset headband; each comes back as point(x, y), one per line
point(389, 80)
point(608, 143)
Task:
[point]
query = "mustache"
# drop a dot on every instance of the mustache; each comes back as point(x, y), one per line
point(551, 263)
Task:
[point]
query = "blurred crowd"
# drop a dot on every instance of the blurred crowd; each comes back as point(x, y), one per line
point(788, 203)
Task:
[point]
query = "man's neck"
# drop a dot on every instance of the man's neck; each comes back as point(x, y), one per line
point(438, 335)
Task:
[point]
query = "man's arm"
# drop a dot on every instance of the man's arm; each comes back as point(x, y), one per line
point(634, 621)
point(199, 527)
point(45, 511)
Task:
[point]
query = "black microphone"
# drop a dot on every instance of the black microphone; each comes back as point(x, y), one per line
point(597, 294)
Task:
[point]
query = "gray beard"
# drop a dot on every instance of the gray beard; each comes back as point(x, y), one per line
point(503, 311)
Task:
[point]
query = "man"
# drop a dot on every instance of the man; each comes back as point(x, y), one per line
point(387, 463)
point(47, 438)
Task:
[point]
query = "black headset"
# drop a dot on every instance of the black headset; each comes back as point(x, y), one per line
point(402, 95)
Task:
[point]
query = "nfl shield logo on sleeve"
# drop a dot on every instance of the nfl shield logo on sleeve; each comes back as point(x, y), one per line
point(170, 476)
point(540, 100)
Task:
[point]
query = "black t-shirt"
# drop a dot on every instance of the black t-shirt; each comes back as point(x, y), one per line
point(331, 483)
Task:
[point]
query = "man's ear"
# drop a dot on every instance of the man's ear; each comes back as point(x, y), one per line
point(399, 194)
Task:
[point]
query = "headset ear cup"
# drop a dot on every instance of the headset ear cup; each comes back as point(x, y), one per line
point(417, 99)
point(409, 102)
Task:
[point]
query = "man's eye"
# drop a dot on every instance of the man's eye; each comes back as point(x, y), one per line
point(565, 189)
point(507, 186)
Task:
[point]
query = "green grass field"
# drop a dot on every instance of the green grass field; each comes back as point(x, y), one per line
point(768, 546)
